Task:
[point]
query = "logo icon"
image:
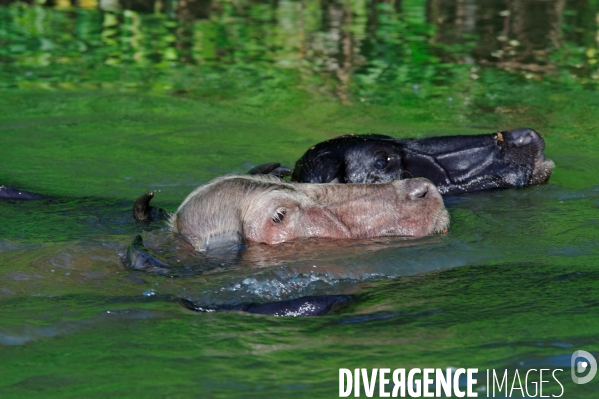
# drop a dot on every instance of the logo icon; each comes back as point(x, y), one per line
point(581, 362)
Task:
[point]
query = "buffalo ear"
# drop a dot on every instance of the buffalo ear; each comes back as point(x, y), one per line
point(272, 168)
point(281, 172)
point(142, 211)
point(264, 169)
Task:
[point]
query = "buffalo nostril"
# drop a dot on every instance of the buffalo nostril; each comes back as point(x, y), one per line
point(418, 189)
point(524, 136)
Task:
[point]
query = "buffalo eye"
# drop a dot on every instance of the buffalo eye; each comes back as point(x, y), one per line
point(381, 162)
point(279, 215)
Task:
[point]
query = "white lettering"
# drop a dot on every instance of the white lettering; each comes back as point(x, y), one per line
point(500, 386)
point(426, 381)
point(541, 384)
point(517, 375)
point(369, 384)
point(560, 384)
point(399, 383)
point(471, 383)
point(533, 383)
point(429, 383)
point(382, 382)
point(456, 383)
point(443, 381)
point(345, 387)
point(414, 383)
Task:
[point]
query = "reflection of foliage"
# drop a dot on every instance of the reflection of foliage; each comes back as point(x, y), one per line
point(580, 49)
point(354, 50)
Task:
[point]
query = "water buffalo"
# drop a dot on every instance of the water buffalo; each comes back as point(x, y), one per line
point(455, 164)
point(231, 210)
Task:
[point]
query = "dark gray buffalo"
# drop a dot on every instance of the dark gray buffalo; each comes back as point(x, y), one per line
point(455, 164)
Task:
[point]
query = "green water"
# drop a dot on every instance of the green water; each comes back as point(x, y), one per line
point(101, 105)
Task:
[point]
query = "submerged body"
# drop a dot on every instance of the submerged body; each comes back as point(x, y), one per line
point(10, 193)
point(232, 210)
point(455, 164)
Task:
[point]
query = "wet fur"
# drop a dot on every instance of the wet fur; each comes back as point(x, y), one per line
point(455, 164)
point(228, 209)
